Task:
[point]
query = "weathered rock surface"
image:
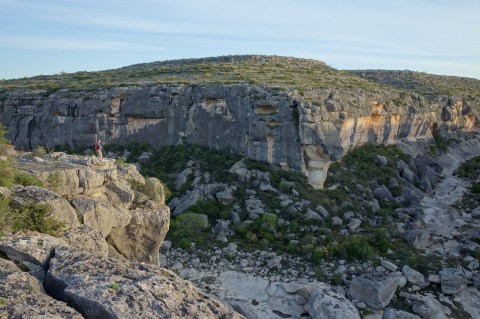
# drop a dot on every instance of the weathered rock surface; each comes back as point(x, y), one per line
point(101, 214)
point(100, 191)
point(107, 288)
point(60, 207)
point(453, 280)
point(36, 249)
point(22, 296)
point(87, 239)
point(376, 290)
point(327, 304)
point(265, 124)
point(141, 239)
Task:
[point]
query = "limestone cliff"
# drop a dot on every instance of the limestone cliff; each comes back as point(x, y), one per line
point(286, 127)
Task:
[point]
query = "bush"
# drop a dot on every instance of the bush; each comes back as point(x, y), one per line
point(187, 228)
point(39, 151)
point(7, 174)
point(355, 248)
point(26, 179)
point(29, 216)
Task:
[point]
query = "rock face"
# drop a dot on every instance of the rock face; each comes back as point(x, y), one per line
point(107, 288)
point(264, 124)
point(134, 223)
point(85, 285)
point(23, 296)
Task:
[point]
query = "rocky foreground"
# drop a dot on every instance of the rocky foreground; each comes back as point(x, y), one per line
point(104, 264)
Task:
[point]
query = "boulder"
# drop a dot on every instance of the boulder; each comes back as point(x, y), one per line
point(23, 296)
point(383, 193)
point(109, 288)
point(57, 176)
point(5, 192)
point(327, 304)
point(313, 215)
point(337, 221)
point(425, 305)
point(87, 239)
point(453, 280)
point(414, 276)
point(380, 160)
point(120, 193)
point(141, 239)
point(100, 214)
point(376, 290)
point(388, 265)
point(60, 207)
point(182, 178)
point(129, 172)
point(322, 211)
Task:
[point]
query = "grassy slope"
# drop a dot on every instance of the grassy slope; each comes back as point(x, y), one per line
point(281, 72)
point(422, 82)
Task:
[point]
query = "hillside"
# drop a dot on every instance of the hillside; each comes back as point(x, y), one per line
point(272, 71)
point(422, 82)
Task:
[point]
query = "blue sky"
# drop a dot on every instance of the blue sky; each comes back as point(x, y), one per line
point(52, 36)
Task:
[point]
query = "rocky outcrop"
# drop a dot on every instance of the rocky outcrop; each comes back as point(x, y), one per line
point(264, 124)
point(23, 296)
point(97, 194)
point(85, 285)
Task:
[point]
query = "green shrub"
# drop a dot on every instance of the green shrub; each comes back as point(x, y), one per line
point(27, 179)
point(54, 180)
point(212, 208)
point(475, 189)
point(187, 228)
point(354, 248)
point(7, 174)
point(469, 169)
point(29, 216)
point(39, 151)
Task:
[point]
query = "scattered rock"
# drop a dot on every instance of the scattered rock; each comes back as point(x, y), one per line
point(376, 290)
point(453, 280)
point(327, 304)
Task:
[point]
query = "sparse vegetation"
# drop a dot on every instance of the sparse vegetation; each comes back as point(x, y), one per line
point(283, 73)
point(28, 216)
point(355, 170)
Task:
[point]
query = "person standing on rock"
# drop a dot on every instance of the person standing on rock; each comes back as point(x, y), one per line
point(98, 148)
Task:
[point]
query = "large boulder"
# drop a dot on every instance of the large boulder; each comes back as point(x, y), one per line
point(327, 304)
point(141, 239)
point(100, 214)
point(129, 172)
point(120, 192)
point(376, 290)
point(154, 190)
point(109, 288)
point(60, 207)
point(453, 280)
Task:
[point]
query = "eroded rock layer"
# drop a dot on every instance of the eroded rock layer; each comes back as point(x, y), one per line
point(265, 124)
